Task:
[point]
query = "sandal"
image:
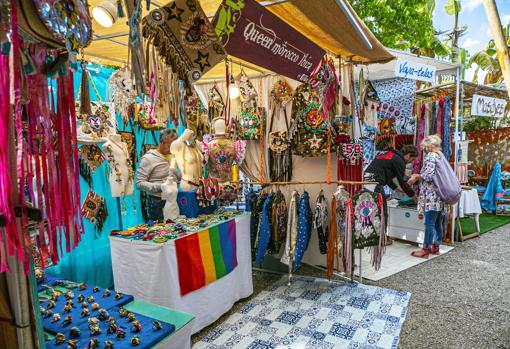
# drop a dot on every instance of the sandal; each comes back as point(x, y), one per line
point(423, 253)
point(389, 241)
point(435, 250)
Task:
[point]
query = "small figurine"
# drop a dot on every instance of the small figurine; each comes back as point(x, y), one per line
point(74, 332)
point(131, 317)
point(120, 333)
point(106, 293)
point(60, 338)
point(136, 326)
point(67, 309)
point(41, 310)
point(70, 302)
point(93, 321)
point(95, 330)
point(91, 299)
point(112, 328)
point(50, 305)
point(72, 344)
point(80, 298)
point(54, 298)
point(95, 307)
point(67, 321)
point(123, 312)
point(156, 325)
point(95, 289)
point(69, 295)
point(85, 305)
point(108, 344)
point(83, 287)
point(93, 344)
point(103, 314)
point(118, 295)
point(85, 312)
point(48, 313)
point(56, 317)
point(135, 341)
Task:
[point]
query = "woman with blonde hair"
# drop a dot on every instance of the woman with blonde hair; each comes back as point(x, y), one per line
point(430, 204)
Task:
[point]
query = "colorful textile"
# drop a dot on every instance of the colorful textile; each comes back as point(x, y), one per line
point(206, 256)
point(265, 229)
point(278, 222)
point(447, 146)
point(90, 157)
point(95, 210)
point(488, 148)
point(494, 190)
point(292, 229)
point(321, 221)
point(185, 38)
point(304, 229)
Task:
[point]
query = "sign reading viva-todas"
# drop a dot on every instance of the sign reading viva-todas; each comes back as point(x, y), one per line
point(250, 32)
point(415, 71)
point(488, 106)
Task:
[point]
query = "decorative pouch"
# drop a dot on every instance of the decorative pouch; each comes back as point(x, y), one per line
point(208, 191)
point(248, 126)
point(94, 209)
point(90, 157)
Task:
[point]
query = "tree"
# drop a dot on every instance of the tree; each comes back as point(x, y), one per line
point(402, 24)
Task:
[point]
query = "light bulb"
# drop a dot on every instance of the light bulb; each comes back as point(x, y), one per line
point(105, 14)
point(233, 91)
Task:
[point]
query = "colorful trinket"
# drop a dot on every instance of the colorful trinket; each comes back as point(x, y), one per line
point(41, 310)
point(95, 289)
point(156, 325)
point(67, 309)
point(70, 302)
point(103, 314)
point(85, 305)
point(72, 344)
point(93, 321)
point(106, 293)
point(74, 332)
point(54, 298)
point(69, 295)
point(93, 344)
point(85, 312)
point(108, 344)
point(56, 317)
point(48, 313)
point(120, 333)
point(118, 296)
point(136, 326)
point(95, 307)
point(50, 305)
point(60, 338)
point(81, 298)
point(91, 299)
point(131, 317)
point(83, 287)
point(123, 312)
point(67, 321)
point(95, 330)
point(112, 328)
point(135, 341)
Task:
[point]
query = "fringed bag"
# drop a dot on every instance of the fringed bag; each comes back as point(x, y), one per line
point(95, 210)
point(90, 157)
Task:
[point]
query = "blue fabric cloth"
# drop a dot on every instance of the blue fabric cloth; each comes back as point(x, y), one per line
point(155, 208)
point(188, 205)
point(494, 190)
point(447, 147)
point(433, 123)
point(433, 229)
point(304, 229)
point(264, 229)
point(104, 303)
point(148, 336)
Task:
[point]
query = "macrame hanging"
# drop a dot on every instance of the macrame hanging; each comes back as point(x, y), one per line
point(90, 157)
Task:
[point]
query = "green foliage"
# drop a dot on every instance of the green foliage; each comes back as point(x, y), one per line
point(401, 24)
point(453, 7)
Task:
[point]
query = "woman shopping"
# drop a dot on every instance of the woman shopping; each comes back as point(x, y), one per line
point(430, 204)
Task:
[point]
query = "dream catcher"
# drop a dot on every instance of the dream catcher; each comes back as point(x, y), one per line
point(90, 157)
point(350, 164)
point(280, 156)
point(369, 225)
point(95, 210)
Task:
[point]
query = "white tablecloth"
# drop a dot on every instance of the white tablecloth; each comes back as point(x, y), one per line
point(469, 203)
point(149, 272)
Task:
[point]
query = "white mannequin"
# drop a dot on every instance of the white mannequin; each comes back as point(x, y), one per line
point(188, 158)
point(169, 193)
point(121, 171)
point(219, 127)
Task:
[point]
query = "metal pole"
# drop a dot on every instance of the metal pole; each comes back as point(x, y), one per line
point(360, 275)
point(456, 139)
point(347, 12)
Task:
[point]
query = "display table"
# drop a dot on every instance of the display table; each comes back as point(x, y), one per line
point(149, 272)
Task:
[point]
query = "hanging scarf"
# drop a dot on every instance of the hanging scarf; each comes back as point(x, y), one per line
point(325, 82)
point(279, 222)
point(419, 138)
point(321, 217)
point(433, 123)
point(447, 146)
point(256, 212)
point(90, 157)
point(265, 229)
point(304, 229)
point(332, 258)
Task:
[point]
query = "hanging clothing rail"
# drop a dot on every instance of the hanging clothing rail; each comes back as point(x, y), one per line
point(307, 182)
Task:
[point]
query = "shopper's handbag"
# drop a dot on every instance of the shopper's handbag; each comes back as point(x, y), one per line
point(56, 23)
point(446, 181)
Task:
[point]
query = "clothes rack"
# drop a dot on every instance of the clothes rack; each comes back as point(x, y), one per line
point(306, 182)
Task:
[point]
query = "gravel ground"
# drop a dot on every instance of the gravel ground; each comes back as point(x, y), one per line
point(459, 300)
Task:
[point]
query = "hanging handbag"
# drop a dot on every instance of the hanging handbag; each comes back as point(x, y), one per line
point(148, 118)
point(248, 125)
point(56, 23)
point(208, 191)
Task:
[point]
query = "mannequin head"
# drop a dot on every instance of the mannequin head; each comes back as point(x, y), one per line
point(166, 138)
point(188, 136)
point(219, 127)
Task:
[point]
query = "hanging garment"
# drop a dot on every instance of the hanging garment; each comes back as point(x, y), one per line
point(462, 173)
point(304, 229)
point(369, 225)
point(292, 229)
point(341, 196)
point(433, 122)
point(494, 191)
point(447, 147)
point(220, 154)
point(320, 222)
point(258, 204)
point(279, 222)
point(265, 229)
point(419, 138)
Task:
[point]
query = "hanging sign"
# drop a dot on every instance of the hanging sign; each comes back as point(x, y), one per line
point(415, 71)
point(252, 33)
point(488, 106)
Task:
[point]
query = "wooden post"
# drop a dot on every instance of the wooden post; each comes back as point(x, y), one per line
point(499, 39)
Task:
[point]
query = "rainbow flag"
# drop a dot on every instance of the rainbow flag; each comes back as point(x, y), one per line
point(206, 256)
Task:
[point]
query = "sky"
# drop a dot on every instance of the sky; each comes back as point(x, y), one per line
point(474, 17)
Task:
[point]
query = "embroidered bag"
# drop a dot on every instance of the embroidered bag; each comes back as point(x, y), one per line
point(149, 117)
point(247, 91)
point(95, 210)
point(90, 157)
point(248, 125)
point(446, 181)
point(309, 135)
point(129, 138)
point(56, 23)
point(95, 127)
point(208, 191)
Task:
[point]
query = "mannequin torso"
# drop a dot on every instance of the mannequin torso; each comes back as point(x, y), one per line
point(121, 169)
point(188, 158)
